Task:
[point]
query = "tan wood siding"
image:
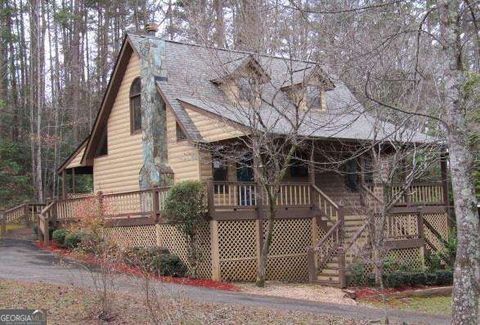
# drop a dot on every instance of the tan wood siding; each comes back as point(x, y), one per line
point(119, 169)
point(76, 161)
point(211, 128)
point(183, 156)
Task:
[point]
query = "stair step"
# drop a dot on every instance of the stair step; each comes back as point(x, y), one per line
point(328, 283)
point(328, 272)
point(328, 278)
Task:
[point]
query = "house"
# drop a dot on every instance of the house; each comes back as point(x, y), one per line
point(169, 103)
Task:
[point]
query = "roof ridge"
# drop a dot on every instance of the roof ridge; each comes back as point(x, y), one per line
point(223, 49)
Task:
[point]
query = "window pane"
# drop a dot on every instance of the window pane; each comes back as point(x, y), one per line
point(137, 114)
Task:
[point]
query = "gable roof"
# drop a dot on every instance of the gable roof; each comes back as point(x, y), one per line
point(75, 158)
point(190, 70)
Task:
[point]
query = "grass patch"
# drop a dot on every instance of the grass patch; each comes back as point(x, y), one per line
point(67, 304)
point(436, 305)
point(12, 227)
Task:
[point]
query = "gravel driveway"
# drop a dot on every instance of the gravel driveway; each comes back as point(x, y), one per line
point(22, 260)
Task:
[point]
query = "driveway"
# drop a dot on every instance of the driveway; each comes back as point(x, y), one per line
point(22, 260)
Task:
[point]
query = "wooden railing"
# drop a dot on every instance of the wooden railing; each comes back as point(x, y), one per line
point(402, 226)
point(246, 195)
point(329, 246)
point(420, 193)
point(15, 214)
point(132, 204)
point(44, 218)
point(325, 204)
point(370, 199)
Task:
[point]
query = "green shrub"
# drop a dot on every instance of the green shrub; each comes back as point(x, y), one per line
point(356, 274)
point(400, 279)
point(185, 207)
point(72, 240)
point(155, 260)
point(59, 236)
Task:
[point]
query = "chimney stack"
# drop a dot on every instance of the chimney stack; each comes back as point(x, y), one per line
point(151, 28)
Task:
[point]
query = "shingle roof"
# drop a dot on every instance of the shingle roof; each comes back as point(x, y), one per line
point(191, 68)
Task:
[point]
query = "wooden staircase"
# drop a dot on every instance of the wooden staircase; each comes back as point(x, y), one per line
point(344, 225)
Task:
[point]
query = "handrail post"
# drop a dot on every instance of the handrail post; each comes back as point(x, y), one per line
point(3, 224)
point(46, 232)
point(341, 218)
point(210, 199)
point(156, 204)
point(341, 267)
point(312, 270)
point(420, 223)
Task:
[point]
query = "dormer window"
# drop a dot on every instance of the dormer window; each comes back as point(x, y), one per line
point(315, 98)
point(135, 106)
point(246, 87)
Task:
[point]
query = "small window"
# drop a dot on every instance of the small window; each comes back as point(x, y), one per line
point(180, 134)
point(245, 89)
point(298, 168)
point(135, 106)
point(315, 98)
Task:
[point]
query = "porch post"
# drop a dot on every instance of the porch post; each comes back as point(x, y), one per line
point(64, 194)
point(3, 224)
point(444, 175)
point(73, 181)
point(311, 166)
point(215, 250)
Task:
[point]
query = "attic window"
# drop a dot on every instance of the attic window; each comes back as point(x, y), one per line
point(135, 106)
point(180, 134)
point(245, 89)
point(315, 98)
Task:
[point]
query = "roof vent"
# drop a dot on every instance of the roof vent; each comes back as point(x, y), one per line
point(151, 28)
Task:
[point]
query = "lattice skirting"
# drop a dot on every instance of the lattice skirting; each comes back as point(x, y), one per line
point(238, 243)
point(164, 235)
point(439, 221)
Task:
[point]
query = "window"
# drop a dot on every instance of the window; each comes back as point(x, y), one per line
point(102, 148)
point(314, 97)
point(135, 106)
point(180, 134)
point(298, 168)
point(220, 174)
point(245, 89)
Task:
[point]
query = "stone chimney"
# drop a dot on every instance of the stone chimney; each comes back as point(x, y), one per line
point(151, 28)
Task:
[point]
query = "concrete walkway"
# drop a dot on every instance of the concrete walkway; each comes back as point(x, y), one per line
point(22, 260)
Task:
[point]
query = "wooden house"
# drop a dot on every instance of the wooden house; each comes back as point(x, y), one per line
point(167, 102)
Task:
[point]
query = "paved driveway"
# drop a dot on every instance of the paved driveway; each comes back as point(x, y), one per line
point(21, 260)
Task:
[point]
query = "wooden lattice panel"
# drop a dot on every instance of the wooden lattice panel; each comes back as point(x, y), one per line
point(237, 250)
point(409, 257)
point(439, 221)
point(142, 236)
point(287, 260)
point(170, 237)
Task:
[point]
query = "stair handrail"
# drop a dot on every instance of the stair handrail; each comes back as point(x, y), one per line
point(333, 207)
point(43, 220)
point(357, 235)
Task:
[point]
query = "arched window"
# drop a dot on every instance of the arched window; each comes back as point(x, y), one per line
point(135, 106)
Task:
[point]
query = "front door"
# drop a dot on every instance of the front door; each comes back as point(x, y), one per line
point(246, 195)
point(351, 175)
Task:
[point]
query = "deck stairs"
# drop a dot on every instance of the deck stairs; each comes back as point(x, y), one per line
point(355, 238)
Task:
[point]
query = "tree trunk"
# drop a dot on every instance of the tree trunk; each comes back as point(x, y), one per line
point(262, 267)
point(467, 264)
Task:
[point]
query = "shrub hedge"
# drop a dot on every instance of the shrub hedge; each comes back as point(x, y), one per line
point(59, 235)
point(400, 279)
point(157, 260)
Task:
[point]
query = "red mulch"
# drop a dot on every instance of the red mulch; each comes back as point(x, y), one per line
point(123, 268)
point(366, 293)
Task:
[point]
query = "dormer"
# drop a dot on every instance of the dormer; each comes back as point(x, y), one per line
point(241, 79)
point(307, 87)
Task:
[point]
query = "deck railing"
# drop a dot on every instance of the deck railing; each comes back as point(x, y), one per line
point(430, 193)
point(247, 195)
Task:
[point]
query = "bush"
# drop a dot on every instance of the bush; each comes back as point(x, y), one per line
point(356, 274)
point(185, 207)
point(400, 279)
point(155, 260)
point(59, 236)
point(72, 240)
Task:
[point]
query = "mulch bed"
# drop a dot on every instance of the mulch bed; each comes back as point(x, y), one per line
point(374, 293)
point(129, 270)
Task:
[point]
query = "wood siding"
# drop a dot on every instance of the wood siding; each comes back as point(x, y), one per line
point(77, 159)
point(212, 128)
point(119, 169)
point(183, 156)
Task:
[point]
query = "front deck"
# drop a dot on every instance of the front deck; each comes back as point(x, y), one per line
point(315, 237)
